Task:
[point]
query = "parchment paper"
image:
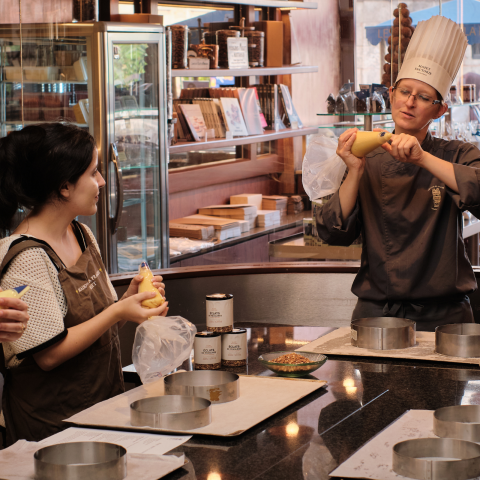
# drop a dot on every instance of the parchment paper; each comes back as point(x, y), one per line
point(338, 343)
point(260, 398)
point(16, 463)
point(374, 459)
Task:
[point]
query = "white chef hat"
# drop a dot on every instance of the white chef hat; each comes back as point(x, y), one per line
point(435, 53)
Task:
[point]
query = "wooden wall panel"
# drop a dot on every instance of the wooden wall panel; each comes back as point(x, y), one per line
point(36, 11)
point(318, 38)
point(187, 203)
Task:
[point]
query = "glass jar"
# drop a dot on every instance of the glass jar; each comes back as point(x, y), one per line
point(256, 48)
point(179, 46)
point(209, 38)
point(222, 36)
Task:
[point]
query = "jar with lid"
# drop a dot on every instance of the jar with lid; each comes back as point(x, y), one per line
point(234, 348)
point(222, 36)
point(219, 310)
point(207, 351)
point(256, 48)
point(179, 46)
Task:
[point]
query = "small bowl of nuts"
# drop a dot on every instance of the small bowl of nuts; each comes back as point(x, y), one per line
point(292, 364)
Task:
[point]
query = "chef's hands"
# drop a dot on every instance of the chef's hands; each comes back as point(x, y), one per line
point(405, 148)
point(13, 319)
point(344, 151)
point(130, 308)
point(137, 279)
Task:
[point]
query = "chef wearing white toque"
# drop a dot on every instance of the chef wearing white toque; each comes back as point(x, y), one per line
point(406, 198)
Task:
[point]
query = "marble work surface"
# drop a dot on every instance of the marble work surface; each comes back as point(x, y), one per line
point(312, 437)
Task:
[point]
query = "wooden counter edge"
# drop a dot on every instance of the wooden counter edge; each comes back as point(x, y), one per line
point(120, 279)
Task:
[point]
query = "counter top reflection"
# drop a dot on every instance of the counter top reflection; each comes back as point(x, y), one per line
point(316, 434)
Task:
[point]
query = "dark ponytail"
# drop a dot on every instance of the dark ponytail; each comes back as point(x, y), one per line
point(35, 164)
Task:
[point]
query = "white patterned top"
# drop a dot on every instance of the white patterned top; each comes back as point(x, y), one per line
point(47, 305)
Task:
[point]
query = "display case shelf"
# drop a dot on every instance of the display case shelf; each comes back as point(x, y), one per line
point(246, 72)
point(284, 4)
point(36, 122)
point(268, 136)
point(46, 82)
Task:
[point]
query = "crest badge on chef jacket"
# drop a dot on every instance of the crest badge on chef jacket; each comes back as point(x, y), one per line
point(435, 53)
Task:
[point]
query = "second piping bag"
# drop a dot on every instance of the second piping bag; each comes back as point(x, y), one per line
point(369, 141)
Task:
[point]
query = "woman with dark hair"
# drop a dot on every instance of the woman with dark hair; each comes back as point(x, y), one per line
point(68, 358)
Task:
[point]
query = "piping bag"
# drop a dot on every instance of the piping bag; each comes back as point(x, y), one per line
point(366, 142)
point(17, 292)
point(146, 285)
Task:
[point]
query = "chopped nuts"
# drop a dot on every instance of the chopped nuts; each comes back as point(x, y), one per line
point(292, 359)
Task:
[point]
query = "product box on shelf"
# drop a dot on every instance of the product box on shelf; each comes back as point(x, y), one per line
point(273, 42)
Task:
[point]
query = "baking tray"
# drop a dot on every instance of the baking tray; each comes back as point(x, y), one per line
point(81, 461)
point(171, 412)
point(459, 421)
point(214, 385)
point(383, 333)
point(437, 459)
point(458, 340)
point(262, 397)
point(338, 343)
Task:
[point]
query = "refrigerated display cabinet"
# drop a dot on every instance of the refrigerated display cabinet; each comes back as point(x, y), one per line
point(108, 78)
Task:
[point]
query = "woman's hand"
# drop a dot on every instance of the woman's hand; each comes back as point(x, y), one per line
point(130, 308)
point(136, 280)
point(405, 148)
point(344, 151)
point(13, 319)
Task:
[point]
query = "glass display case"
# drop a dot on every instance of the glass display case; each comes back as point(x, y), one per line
point(61, 74)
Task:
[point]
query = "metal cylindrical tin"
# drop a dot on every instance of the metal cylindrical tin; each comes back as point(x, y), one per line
point(218, 387)
point(459, 421)
point(171, 412)
point(437, 459)
point(234, 348)
point(458, 340)
point(207, 351)
point(81, 461)
point(219, 309)
point(383, 333)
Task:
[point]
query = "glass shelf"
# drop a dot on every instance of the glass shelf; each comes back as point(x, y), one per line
point(388, 112)
point(245, 72)
point(365, 114)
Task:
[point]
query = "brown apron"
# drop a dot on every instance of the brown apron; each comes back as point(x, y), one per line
point(35, 401)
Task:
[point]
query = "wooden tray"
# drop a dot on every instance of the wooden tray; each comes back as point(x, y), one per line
point(260, 398)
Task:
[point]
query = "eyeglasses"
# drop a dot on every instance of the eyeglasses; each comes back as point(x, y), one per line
point(423, 100)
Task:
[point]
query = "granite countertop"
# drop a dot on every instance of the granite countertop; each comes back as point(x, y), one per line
point(313, 436)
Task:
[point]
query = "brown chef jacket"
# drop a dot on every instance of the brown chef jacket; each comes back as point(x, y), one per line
point(411, 225)
point(36, 401)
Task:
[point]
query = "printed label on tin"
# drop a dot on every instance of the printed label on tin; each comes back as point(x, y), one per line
point(234, 346)
point(354, 334)
point(207, 351)
point(220, 313)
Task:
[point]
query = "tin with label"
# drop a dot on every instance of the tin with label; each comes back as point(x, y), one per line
point(207, 351)
point(219, 309)
point(234, 348)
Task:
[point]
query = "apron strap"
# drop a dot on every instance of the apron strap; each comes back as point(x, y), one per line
point(24, 243)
